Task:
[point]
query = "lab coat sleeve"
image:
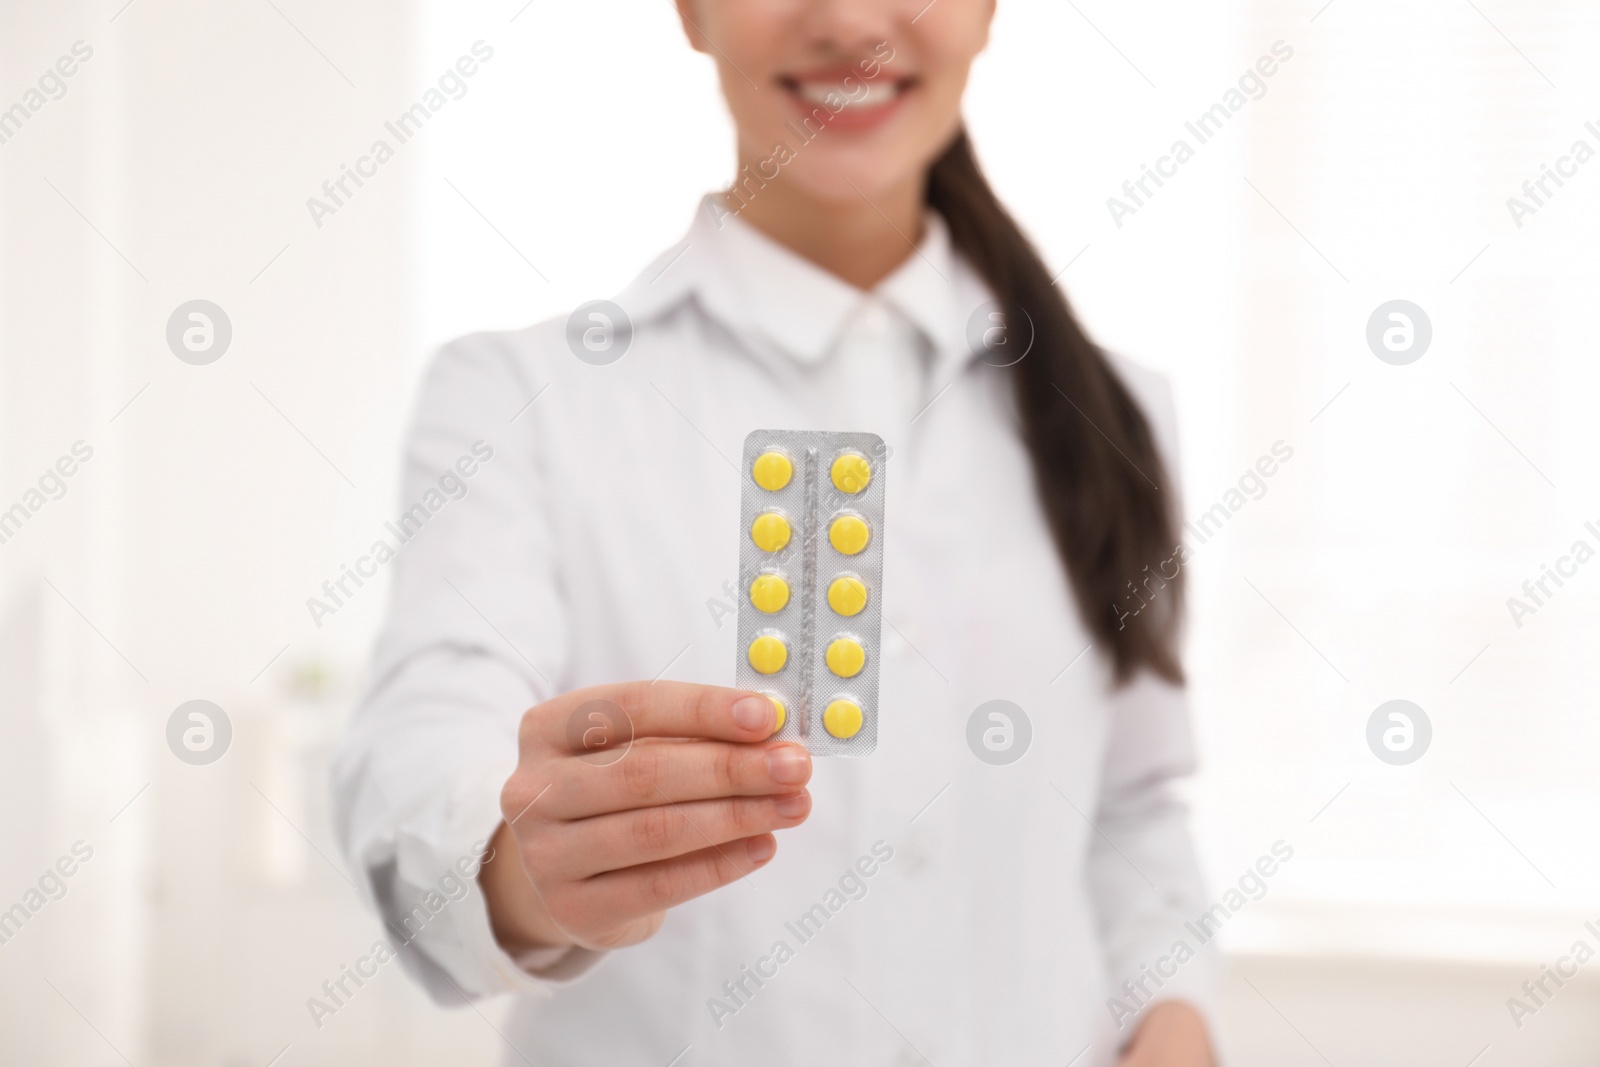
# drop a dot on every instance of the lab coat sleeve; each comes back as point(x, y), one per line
point(1143, 871)
point(473, 637)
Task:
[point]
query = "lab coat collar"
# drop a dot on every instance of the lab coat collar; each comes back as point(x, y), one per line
point(774, 298)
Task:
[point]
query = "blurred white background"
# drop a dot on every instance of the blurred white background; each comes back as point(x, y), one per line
point(1377, 165)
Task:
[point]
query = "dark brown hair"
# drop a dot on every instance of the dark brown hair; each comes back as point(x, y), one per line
point(1094, 457)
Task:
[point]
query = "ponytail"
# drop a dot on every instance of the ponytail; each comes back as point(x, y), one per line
point(1094, 457)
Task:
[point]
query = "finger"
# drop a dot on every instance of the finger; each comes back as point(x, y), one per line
point(626, 839)
point(653, 887)
point(658, 772)
point(651, 709)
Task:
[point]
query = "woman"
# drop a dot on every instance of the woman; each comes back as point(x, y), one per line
point(927, 905)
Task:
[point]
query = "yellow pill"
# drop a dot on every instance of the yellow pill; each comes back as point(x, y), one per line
point(848, 534)
point(769, 593)
point(783, 712)
point(846, 657)
point(851, 473)
point(847, 594)
point(842, 718)
point(768, 654)
point(770, 531)
point(772, 471)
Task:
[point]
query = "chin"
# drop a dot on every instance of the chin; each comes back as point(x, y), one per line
point(845, 177)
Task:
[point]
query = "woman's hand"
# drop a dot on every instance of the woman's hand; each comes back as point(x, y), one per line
point(630, 799)
point(1171, 1035)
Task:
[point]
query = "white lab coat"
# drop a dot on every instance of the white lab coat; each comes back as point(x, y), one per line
point(1005, 905)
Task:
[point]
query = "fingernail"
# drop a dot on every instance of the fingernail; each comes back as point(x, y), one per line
point(761, 848)
point(788, 765)
point(791, 807)
point(753, 713)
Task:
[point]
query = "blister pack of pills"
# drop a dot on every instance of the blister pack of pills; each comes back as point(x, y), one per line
point(810, 578)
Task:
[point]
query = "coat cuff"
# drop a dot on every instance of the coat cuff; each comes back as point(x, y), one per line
point(437, 916)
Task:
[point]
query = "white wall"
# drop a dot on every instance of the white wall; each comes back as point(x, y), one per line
point(189, 142)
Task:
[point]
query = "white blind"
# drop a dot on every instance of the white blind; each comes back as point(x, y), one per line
point(1421, 498)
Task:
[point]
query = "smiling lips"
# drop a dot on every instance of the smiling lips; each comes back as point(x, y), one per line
point(851, 100)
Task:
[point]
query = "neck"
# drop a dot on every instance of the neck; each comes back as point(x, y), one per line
point(858, 241)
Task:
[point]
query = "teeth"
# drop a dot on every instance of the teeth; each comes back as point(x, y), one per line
point(875, 94)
